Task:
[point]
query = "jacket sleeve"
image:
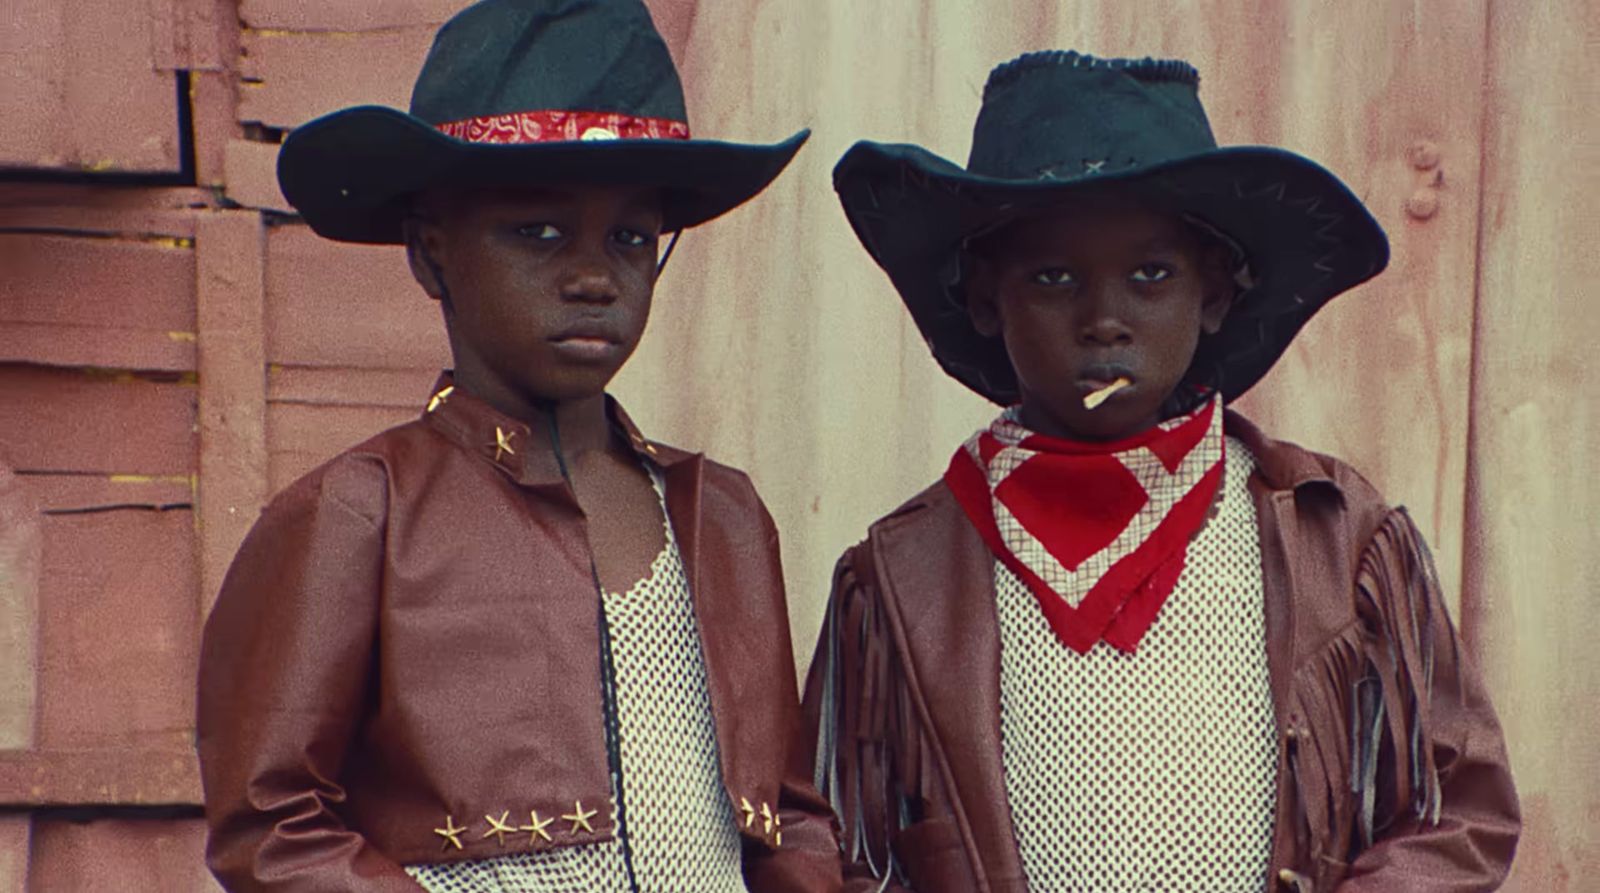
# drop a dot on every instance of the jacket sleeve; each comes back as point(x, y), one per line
point(806, 861)
point(1450, 820)
point(284, 678)
point(846, 732)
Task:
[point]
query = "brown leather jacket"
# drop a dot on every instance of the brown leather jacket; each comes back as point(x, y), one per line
point(410, 636)
point(905, 691)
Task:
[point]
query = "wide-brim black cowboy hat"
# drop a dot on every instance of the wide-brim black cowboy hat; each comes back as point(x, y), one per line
point(534, 93)
point(1058, 125)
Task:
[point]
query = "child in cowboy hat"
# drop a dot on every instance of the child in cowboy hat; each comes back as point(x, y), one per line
point(513, 645)
point(1129, 642)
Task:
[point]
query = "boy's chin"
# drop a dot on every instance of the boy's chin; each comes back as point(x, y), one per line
point(1110, 422)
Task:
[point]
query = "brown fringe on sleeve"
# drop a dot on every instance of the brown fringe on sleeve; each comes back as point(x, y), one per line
point(861, 716)
point(1400, 591)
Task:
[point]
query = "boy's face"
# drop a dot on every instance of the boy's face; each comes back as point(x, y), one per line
point(1086, 295)
point(547, 289)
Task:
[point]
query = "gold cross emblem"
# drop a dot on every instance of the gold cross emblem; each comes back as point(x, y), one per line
point(450, 833)
point(536, 827)
point(502, 443)
point(437, 400)
point(766, 819)
point(580, 817)
point(498, 827)
point(748, 810)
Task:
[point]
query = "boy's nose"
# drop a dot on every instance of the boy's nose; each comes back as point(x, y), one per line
point(1102, 322)
point(590, 279)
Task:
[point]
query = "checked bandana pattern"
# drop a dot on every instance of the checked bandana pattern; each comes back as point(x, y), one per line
point(1098, 531)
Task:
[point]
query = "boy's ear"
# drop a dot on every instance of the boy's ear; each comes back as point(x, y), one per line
point(422, 252)
point(981, 306)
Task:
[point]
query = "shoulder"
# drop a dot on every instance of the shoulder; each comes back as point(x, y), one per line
point(1314, 478)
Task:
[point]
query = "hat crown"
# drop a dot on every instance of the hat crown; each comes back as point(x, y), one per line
point(1063, 115)
point(503, 57)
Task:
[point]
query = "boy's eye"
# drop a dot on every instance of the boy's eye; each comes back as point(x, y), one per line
point(631, 238)
point(1053, 277)
point(541, 231)
point(1152, 273)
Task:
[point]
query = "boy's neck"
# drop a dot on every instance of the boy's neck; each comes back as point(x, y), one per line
point(583, 424)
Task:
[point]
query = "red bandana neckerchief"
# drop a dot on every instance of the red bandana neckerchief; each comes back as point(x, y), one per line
point(1097, 531)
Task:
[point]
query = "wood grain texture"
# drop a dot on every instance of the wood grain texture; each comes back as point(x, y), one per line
point(330, 304)
point(124, 110)
point(122, 302)
point(231, 249)
point(320, 15)
point(20, 557)
point(118, 629)
point(1533, 552)
point(15, 831)
point(101, 777)
point(291, 77)
point(76, 421)
point(102, 856)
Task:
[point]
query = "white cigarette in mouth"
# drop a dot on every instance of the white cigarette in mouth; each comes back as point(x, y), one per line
point(1096, 398)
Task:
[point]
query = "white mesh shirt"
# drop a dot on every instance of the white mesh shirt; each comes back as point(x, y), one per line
point(1155, 770)
point(680, 823)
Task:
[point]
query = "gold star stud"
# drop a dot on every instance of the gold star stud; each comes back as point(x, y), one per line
point(536, 827)
point(498, 827)
point(580, 817)
point(766, 819)
point(450, 833)
point(502, 443)
point(437, 400)
point(748, 810)
point(777, 824)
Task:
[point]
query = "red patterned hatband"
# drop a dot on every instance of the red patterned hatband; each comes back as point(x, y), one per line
point(562, 126)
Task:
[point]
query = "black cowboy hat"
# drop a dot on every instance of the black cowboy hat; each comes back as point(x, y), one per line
point(1055, 124)
point(524, 92)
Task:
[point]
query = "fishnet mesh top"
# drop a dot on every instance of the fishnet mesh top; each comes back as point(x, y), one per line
point(1154, 770)
point(680, 823)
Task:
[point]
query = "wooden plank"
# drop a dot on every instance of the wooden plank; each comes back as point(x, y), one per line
point(104, 855)
point(233, 400)
point(332, 304)
point(56, 345)
point(1533, 551)
point(186, 35)
point(20, 556)
point(95, 208)
point(15, 835)
point(371, 15)
point(107, 777)
point(118, 630)
point(292, 77)
point(109, 302)
point(118, 114)
point(400, 388)
point(72, 420)
point(300, 437)
point(252, 175)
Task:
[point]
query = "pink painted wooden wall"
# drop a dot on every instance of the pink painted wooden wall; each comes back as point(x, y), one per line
point(170, 354)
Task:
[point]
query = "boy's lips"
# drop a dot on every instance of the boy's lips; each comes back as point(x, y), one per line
point(1101, 375)
point(588, 340)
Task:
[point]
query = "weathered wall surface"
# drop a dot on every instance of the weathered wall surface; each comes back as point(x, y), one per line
point(171, 352)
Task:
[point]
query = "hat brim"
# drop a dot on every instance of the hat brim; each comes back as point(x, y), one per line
point(1307, 238)
point(350, 174)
